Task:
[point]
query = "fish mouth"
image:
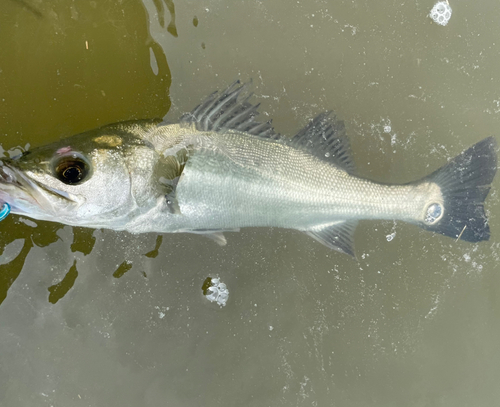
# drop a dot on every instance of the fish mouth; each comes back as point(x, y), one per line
point(28, 196)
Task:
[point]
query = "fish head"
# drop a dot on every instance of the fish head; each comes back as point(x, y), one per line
point(90, 180)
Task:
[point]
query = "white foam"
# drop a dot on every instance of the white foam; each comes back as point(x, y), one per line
point(217, 292)
point(441, 12)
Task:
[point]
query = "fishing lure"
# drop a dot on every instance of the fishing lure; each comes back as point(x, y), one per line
point(4, 212)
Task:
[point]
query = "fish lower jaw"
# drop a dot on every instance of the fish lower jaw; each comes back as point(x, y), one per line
point(19, 206)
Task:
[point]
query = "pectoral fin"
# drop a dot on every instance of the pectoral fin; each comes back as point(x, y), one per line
point(337, 236)
point(170, 196)
point(171, 170)
point(217, 237)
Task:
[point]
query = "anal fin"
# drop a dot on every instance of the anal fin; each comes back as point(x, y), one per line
point(337, 236)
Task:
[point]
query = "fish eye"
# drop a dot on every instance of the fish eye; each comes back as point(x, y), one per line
point(72, 169)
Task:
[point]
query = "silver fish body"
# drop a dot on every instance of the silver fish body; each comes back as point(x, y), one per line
point(219, 169)
point(237, 180)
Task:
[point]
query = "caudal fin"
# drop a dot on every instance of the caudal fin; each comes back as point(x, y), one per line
point(465, 183)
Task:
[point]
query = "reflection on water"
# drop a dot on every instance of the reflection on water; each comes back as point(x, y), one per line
point(159, 4)
point(153, 253)
point(93, 317)
point(122, 269)
point(83, 240)
point(59, 290)
point(17, 232)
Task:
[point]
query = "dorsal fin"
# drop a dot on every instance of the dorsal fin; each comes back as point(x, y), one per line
point(229, 110)
point(325, 137)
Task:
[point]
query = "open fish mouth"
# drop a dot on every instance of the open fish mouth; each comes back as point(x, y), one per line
point(27, 196)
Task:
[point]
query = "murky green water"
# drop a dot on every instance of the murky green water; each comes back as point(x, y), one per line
point(99, 318)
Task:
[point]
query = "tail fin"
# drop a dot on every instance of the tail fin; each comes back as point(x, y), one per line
point(465, 183)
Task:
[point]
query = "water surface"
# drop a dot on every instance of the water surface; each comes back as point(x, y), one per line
point(100, 318)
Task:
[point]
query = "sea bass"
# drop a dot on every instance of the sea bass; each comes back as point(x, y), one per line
point(218, 169)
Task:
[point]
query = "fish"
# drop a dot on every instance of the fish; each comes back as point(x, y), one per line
point(219, 169)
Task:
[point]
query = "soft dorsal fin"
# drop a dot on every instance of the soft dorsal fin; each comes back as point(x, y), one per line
point(337, 236)
point(325, 137)
point(229, 110)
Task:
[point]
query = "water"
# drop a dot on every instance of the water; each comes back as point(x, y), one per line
point(93, 318)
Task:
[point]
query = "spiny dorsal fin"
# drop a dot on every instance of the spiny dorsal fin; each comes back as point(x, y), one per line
point(337, 236)
point(228, 110)
point(325, 137)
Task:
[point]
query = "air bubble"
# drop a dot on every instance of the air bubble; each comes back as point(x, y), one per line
point(215, 291)
point(441, 13)
point(391, 237)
